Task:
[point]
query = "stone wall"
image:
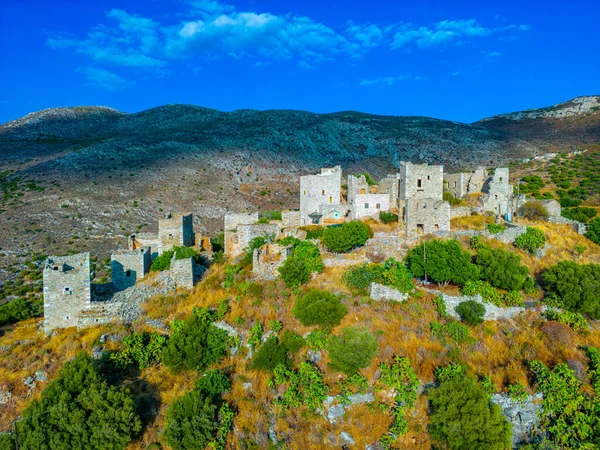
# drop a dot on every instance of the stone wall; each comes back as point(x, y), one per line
point(99, 313)
point(460, 211)
point(267, 259)
point(498, 193)
point(333, 212)
point(425, 216)
point(139, 240)
point(67, 290)
point(176, 230)
point(369, 205)
point(456, 184)
point(523, 415)
point(236, 242)
point(390, 185)
point(420, 181)
point(319, 189)
point(182, 272)
point(232, 221)
point(290, 218)
point(127, 267)
point(381, 292)
point(492, 312)
point(579, 227)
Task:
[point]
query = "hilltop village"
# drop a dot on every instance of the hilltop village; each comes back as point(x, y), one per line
point(415, 195)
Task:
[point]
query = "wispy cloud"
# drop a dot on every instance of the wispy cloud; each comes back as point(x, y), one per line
point(388, 81)
point(444, 32)
point(104, 79)
point(369, 35)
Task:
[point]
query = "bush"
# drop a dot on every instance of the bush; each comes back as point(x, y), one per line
point(574, 320)
point(163, 261)
point(502, 269)
point(292, 342)
point(319, 308)
point(313, 231)
point(361, 277)
point(294, 272)
point(195, 343)
point(191, 421)
point(580, 213)
point(534, 211)
point(471, 312)
point(495, 228)
point(269, 355)
point(448, 197)
point(396, 275)
point(212, 384)
point(445, 261)
point(301, 387)
point(347, 237)
point(270, 215)
point(593, 231)
point(531, 240)
point(352, 350)
point(304, 259)
point(79, 409)
point(19, 309)
point(463, 417)
point(576, 287)
point(387, 217)
point(255, 243)
point(309, 254)
point(141, 349)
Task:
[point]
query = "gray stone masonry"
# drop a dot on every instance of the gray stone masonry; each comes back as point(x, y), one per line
point(245, 233)
point(267, 259)
point(381, 292)
point(552, 206)
point(390, 185)
point(67, 290)
point(420, 181)
point(319, 189)
point(492, 312)
point(522, 415)
point(498, 193)
point(232, 221)
point(425, 216)
point(464, 183)
point(176, 230)
point(579, 227)
point(369, 205)
point(333, 212)
point(183, 273)
point(129, 266)
point(290, 218)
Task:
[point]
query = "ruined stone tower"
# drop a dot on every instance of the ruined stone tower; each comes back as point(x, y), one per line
point(66, 290)
point(129, 266)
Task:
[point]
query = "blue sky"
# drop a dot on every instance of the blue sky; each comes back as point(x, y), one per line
point(456, 60)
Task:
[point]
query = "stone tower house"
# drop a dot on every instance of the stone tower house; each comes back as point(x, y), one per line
point(176, 230)
point(420, 181)
point(67, 290)
point(129, 266)
point(320, 189)
point(498, 193)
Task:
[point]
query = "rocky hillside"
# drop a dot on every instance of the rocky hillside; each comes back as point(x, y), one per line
point(81, 178)
point(571, 123)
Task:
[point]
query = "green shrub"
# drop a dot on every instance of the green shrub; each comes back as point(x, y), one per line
point(142, 349)
point(78, 410)
point(471, 312)
point(534, 211)
point(309, 254)
point(568, 415)
point(256, 334)
point(387, 217)
point(270, 215)
point(269, 355)
point(294, 272)
point(195, 343)
point(495, 228)
point(313, 231)
point(576, 287)
point(593, 231)
point(192, 421)
point(292, 342)
point(440, 306)
point(574, 320)
point(502, 269)
point(443, 261)
point(396, 275)
point(19, 309)
point(163, 261)
point(347, 237)
point(255, 243)
point(488, 293)
point(580, 213)
point(303, 260)
point(361, 276)
point(319, 308)
point(351, 350)
point(531, 240)
point(448, 197)
point(212, 384)
point(303, 387)
point(449, 372)
point(462, 417)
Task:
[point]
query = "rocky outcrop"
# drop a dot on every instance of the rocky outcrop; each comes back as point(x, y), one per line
point(492, 312)
point(381, 292)
point(523, 415)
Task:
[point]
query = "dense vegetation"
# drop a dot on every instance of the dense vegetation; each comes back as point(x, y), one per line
point(391, 273)
point(163, 261)
point(346, 237)
point(319, 308)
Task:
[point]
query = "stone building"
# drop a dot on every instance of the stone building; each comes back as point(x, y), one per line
point(420, 181)
point(174, 231)
point(267, 259)
point(390, 185)
point(464, 183)
point(365, 200)
point(290, 218)
point(240, 229)
point(552, 206)
point(129, 266)
point(425, 216)
point(498, 194)
point(183, 272)
point(67, 290)
point(320, 189)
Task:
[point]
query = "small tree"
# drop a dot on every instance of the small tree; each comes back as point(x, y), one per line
point(532, 240)
point(163, 262)
point(269, 355)
point(351, 350)
point(443, 261)
point(347, 237)
point(534, 211)
point(502, 269)
point(319, 308)
point(593, 231)
point(294, 272)
point(471, 312)
point(191, 421)
point(387, 217)
point(464, 418)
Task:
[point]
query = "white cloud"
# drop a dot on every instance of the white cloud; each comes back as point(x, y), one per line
point(369, 35)
point(388, 81)
point(104, 79)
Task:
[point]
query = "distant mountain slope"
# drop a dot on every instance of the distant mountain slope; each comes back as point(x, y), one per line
point(574, 122)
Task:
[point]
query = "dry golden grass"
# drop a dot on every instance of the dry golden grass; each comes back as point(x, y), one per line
point(474, 222)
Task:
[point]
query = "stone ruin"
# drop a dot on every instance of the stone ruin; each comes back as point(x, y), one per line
point(70, 299)
point(268, 259)
point(240, 229)
point(320, 190)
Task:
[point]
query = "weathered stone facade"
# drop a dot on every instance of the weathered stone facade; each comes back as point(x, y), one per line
point(67, 290)
point(464, 183)
point(552, 206)
point(425, 216)
point(365, 200)
point(232, 221)
point(498, 193)
point(290, 218)
point(420, 181)
point(237, 240)
point(267, 259)
point(174, 231)
point(390, 185)
point(129, 266)
point(183, 272)
point(319, 189)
